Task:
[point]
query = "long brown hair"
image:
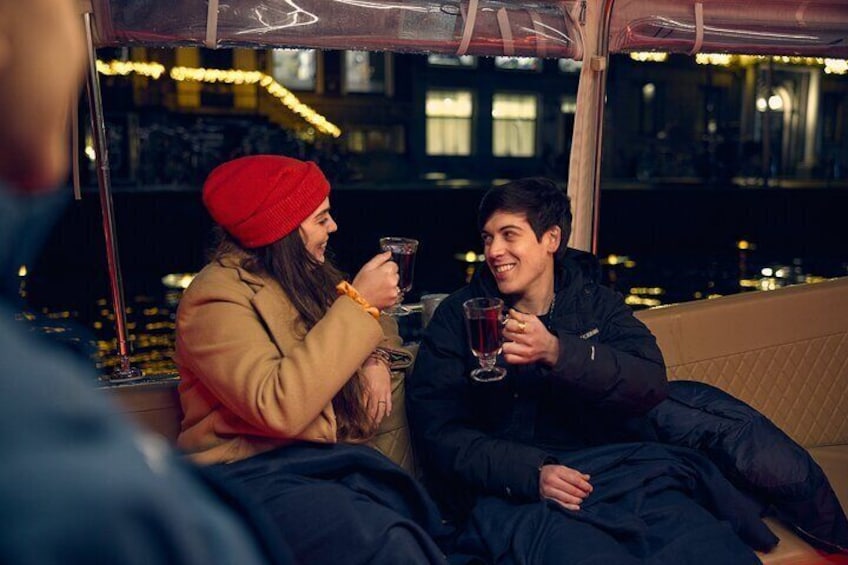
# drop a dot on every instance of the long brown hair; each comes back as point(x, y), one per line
point(311, 287)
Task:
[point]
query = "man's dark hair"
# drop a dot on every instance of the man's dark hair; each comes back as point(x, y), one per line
point(540, 199)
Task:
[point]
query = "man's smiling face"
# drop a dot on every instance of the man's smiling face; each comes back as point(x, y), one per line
point(519, 261)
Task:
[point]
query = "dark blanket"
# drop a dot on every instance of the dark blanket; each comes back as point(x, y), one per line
point(650, 504)
point(756, 456)
point(344, 503)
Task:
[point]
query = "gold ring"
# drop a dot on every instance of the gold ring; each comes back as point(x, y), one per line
point(521, 326)
point(381, 402)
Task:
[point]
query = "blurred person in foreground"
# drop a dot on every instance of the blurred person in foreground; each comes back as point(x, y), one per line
point(286, 371)
point(79, 484)
point(543, 466)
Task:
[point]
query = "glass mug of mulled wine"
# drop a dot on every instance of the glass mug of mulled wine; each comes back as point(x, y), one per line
point(484, 321)
point(403, 253)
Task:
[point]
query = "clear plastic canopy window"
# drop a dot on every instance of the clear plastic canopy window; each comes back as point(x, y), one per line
point(582, 30)
point(482, 27)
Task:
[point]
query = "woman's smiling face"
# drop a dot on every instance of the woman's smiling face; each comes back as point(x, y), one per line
point(316, 229)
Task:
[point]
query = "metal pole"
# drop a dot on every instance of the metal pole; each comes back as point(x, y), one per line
point(124, 372)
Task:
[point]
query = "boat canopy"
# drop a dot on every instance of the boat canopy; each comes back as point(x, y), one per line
point(482, 27)
point(583, 30)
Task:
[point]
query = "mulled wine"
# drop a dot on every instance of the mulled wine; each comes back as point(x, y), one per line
point(484, 323)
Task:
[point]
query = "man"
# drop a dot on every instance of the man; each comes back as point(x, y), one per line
point(78, 484)
point(542, 465)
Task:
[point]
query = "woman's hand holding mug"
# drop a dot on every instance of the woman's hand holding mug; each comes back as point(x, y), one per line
point(377, 281)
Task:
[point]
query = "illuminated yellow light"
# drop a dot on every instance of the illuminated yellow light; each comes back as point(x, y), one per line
point(640, 301)
point(273, 88)
point(622, 260)
point(89, 152)
point(718, 59)
point(470, 257)
point(649, 290)
point(22, 271)
point(742, 244)
point(835, 66)
point(768, 283)
point(178, 280)
point(649, 57)
point(226, 76)
point(831, 66)
point(123, 68)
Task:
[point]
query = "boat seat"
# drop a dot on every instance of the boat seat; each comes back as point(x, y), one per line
point(783, 352)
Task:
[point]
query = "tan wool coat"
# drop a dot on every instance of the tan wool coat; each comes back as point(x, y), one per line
point(250, 380)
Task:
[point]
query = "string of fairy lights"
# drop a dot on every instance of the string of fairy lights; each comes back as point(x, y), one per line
point(226, 76)
point(831, 66)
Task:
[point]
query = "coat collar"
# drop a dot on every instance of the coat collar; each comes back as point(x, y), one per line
point(271, 303)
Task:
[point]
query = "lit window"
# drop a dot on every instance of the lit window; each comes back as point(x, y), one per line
point(294, 68)
point(569, 65)
point(514, 125)
point(452, 60)
point(364, 71)
point(449, 122)
point(518, 63)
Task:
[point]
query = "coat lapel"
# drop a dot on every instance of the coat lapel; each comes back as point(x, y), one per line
point(273, 307)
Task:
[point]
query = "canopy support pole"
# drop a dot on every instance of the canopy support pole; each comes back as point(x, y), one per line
point(584, 176)
point(124, 372)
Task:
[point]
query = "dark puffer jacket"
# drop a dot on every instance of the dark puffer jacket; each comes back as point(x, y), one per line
point(495, 436)
point(756, 456)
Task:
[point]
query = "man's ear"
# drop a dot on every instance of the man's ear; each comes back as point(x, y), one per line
point(553, 239)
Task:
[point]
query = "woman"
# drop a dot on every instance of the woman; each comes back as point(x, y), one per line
point(285, 368)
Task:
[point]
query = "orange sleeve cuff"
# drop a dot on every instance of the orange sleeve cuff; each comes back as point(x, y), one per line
point(344, 288)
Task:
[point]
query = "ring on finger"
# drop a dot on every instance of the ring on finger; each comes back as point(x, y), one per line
point(522, 325)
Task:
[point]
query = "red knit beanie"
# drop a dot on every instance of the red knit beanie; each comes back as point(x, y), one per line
point(262, 198)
